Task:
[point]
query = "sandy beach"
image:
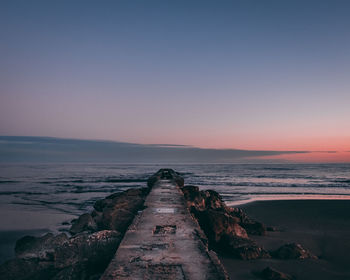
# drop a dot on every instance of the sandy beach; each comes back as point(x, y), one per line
point(322, 226)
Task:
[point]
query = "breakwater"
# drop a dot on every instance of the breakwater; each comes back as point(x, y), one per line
point(163, 231)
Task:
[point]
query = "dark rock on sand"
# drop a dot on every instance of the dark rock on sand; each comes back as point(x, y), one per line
point(272, 274)
point(224, 226)
point(251, 226)
point(217, 224)
point(292, 251)
point(241, 248)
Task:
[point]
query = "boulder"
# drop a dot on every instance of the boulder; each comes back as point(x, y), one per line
point(214, 201)
point(273, 274)
point(242, 248)
point(251, 226)
point(116, 219)
point(226, 228)
point(292, 251)
point(131, 198)
point(40, 248)
point(84, 223)
point(115, 212)
point(97, 249)
point(254, 228)
point(201, 200)
point(83, 256)
point(216, 224)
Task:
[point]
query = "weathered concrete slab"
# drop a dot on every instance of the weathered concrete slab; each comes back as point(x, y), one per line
point(163, 242)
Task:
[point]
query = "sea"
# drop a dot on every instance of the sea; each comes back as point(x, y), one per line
point(36, 198)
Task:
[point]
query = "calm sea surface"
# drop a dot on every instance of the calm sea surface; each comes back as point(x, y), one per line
point(43, 196)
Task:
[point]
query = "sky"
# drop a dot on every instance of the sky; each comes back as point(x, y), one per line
point(251, 75)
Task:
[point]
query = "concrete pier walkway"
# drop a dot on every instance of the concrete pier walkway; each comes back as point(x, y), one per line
point(164, 242)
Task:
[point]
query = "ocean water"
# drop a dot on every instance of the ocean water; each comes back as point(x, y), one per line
point(48, 196)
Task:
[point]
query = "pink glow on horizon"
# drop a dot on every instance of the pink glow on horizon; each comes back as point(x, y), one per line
point(314, 157)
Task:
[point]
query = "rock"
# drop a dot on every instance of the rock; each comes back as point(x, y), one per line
point(97, 249)
point(214, 201)
point(84, 223)
point(83, 256)
point(292, 251)
point(179, 180)
point(271, 228)
point(239, 213)
point(216, 224)
point(119, 210)
point(251, 226)
point(242, 248)
point(225, 227)
point(132, 199)
point(115, 212)
point(116, 198)
point(254, 228)
point(116, 219)
point(79, 257)
point(41, 248)
point(151, 181)
point(27, 269)
point(225, 235)
point(201, 200)
point(190, 192)
point(168, 174)
point(272, 274)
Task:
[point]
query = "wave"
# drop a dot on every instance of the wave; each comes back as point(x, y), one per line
point(116, 180)
point(24, 193)
point(278, 168)
point(104, 180)
point(8, 181)
point(342, 181)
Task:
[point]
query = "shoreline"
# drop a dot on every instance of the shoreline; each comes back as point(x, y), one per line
point(322, 226)
point(287, 197)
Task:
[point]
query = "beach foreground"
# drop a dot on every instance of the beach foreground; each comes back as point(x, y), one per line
point(322, 226)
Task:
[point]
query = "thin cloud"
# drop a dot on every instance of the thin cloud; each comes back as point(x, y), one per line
point(17, 149)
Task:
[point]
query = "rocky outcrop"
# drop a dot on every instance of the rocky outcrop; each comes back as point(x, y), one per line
point(292, 251)
point(85, 255)
point(226, 228)
point(217, 224)
point(59, 257)
point(251, 226)
point(115, 212)
point(40, 248)
point(273, 274)
point(84, 223)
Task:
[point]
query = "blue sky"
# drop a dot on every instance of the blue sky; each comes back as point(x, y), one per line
point(269, 75)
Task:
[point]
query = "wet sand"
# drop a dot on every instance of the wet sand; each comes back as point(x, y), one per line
point(322, 226)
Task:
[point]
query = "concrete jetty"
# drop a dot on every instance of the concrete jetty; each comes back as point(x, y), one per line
point(164, 241)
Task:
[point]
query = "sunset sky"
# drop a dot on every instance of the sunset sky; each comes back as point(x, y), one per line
point(256, 75)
